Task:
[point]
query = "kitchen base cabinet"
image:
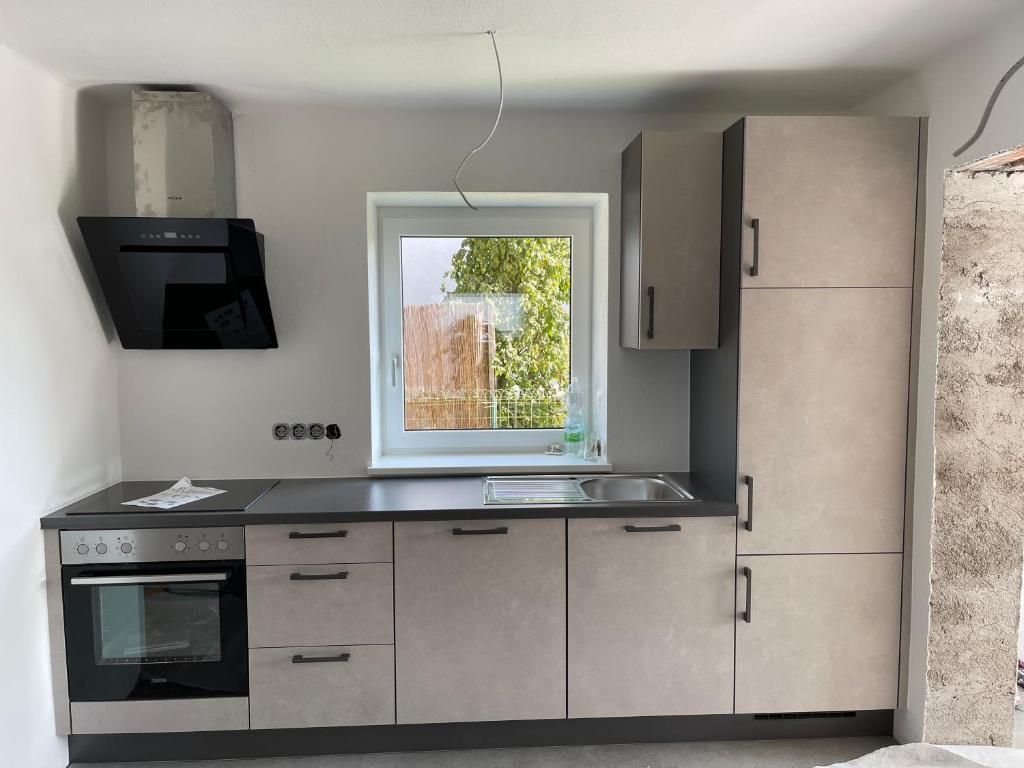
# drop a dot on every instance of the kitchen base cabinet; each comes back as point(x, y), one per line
point(321, 687)
point(650, 616)
point(480, 620)
point(823, 632)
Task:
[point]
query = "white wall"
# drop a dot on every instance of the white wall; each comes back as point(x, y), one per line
point(303, 173)
point(952, 91)
point(58, 390)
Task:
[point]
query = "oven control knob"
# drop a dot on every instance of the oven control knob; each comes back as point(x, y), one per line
point(204, 545)
point(126, 547)
point(101, 548)
point(180, 546)
point(222, 545)
point(83, 549)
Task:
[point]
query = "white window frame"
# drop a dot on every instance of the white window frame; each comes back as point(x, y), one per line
point(391, 216)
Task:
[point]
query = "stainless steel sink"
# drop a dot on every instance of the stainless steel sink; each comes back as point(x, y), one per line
point(633, 488)
point(583, 489)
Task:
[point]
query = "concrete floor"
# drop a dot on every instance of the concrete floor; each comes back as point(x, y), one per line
point(804, 753)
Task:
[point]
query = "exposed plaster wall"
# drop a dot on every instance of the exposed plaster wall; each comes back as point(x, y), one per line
point(979, 463)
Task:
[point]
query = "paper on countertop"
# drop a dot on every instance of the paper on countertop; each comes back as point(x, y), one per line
point(182, 492)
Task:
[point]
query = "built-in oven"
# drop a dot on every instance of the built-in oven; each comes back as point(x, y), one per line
point(155, 613)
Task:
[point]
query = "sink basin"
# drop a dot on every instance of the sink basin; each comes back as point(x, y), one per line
point(583, 489)
point(633, 488)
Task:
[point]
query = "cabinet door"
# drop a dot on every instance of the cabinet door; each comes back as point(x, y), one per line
point(835, 199)
point(824, 377)
point(480, 620)
point(671, 233)
point(823, 635)
point(651, 616)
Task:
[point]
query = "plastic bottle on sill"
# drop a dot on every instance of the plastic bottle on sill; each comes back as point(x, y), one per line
point(575, 425)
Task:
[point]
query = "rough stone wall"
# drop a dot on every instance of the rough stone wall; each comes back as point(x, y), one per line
point(979, 463)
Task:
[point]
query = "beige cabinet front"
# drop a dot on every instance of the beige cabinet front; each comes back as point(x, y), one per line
point(651, 616)
point(823, 419)
point(834, 199)
point(321, 687)
point(480, 620)
point(291, 605)
point(823, 632)
point(671, 237)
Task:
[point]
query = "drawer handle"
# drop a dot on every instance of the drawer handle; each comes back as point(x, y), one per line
point(650, 312)
point(749, 524)
point(749, 575)
point(326, 535)
point(300, 659)
point(652, 528)
point(499, 531)
point(756, 226)
point(318, 576)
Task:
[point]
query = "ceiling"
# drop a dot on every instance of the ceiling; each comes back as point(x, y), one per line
point(658, 54)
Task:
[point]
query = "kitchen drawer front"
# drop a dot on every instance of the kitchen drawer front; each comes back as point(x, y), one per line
point(160, 716)
point(823, 634)
point(321, 690)
point(480, 631)
point(321, 543)
point(293, 605)
point(651, 618)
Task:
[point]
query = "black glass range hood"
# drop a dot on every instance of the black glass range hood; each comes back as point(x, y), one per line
point(182, 283)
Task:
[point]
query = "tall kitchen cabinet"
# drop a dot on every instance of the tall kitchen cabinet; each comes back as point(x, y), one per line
point(803, 408)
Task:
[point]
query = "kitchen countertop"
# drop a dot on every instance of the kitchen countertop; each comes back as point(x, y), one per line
point(329, 500)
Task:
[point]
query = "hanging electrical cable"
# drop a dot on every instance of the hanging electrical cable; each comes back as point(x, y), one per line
point(497, 119)
point(988, 107)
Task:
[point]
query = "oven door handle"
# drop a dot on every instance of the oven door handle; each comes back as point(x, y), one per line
point(159, 578)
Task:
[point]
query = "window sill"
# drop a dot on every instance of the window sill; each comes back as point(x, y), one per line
point(482, 463)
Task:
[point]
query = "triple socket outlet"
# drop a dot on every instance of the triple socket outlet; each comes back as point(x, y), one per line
point(300, 431)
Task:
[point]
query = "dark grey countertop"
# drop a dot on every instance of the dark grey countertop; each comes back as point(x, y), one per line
point(357, 499)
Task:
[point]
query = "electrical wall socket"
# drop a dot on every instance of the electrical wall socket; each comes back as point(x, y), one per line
point(314, 430)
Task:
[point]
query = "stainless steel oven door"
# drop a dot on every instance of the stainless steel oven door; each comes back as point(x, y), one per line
point(155, 630)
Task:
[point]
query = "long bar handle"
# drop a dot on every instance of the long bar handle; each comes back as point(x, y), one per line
point(394, 369)
point(650, 312)
point(159, 578)
point(325, 535)
point(300, 659)
point(749, 575)
point(318, 576)
point(749, 524)
point(756, 226)
point(652, 528)
point(501, 530)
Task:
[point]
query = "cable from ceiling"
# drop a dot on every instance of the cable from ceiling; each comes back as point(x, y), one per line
point(497, 119)
point(988, 107)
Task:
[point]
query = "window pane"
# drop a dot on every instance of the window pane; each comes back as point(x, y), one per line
point(485, 330)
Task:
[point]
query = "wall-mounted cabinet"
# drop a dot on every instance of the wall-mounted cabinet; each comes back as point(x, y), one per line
point(671, 233)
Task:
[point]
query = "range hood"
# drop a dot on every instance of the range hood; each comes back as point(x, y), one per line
point(183, 273)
